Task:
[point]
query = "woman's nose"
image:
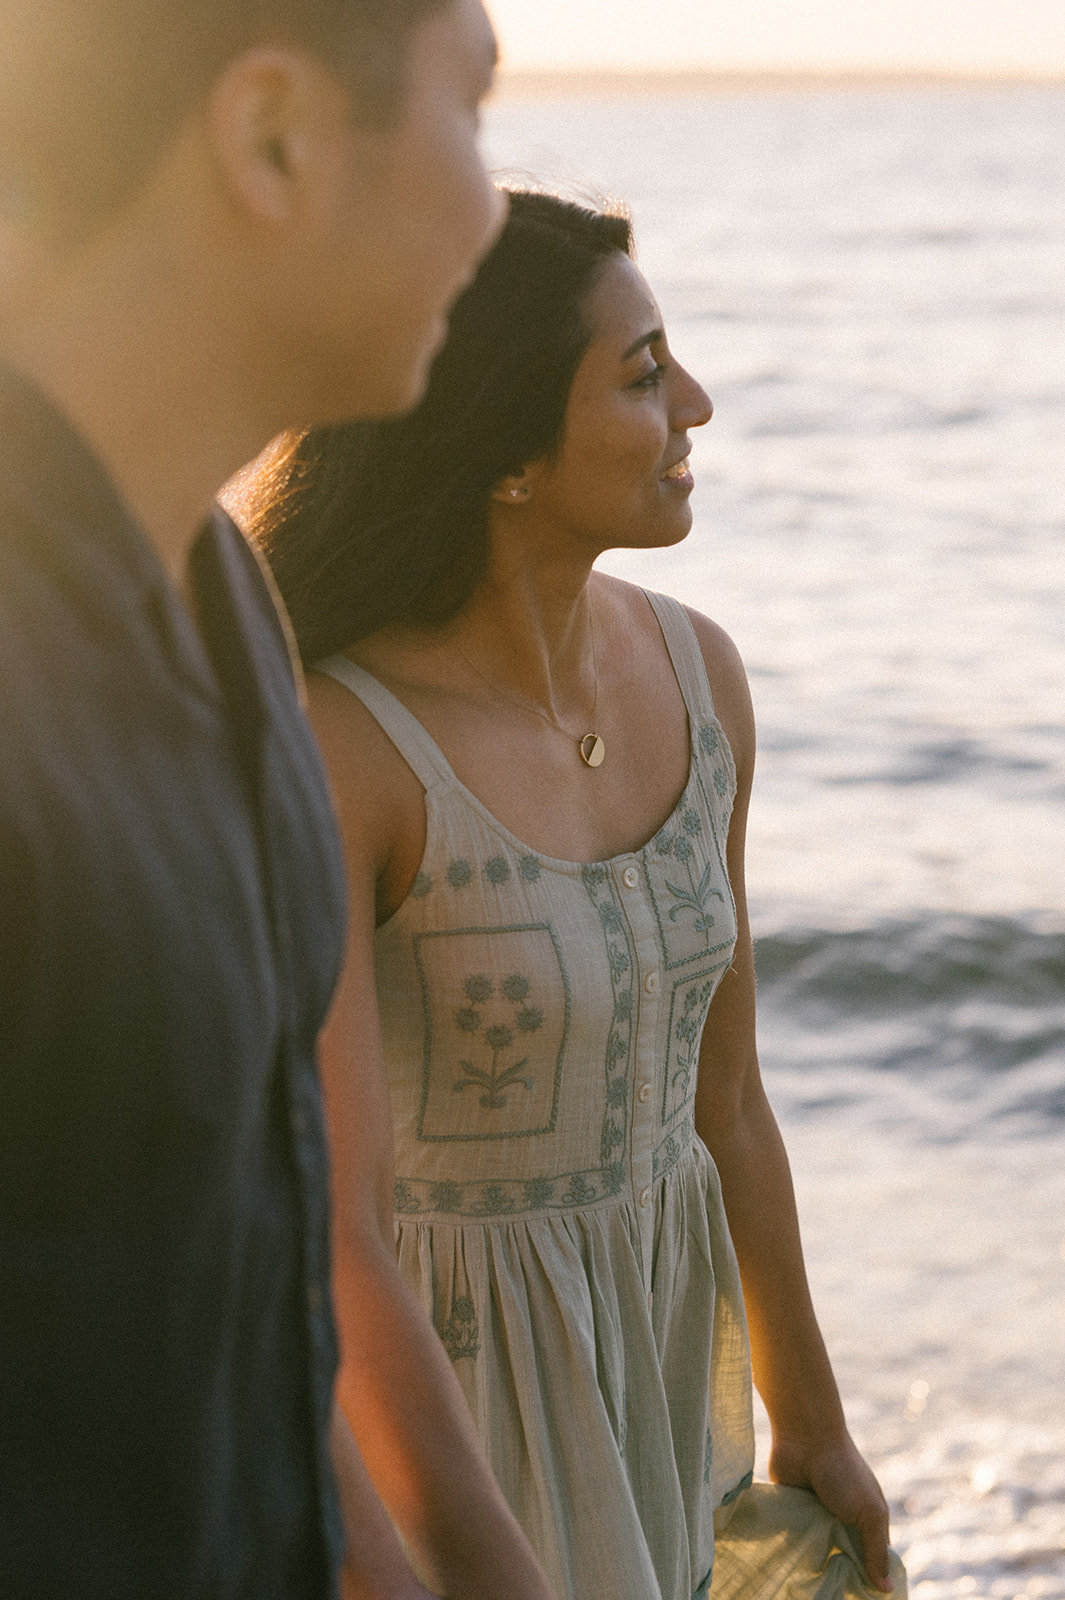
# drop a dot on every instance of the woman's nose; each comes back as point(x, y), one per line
point(693, 407)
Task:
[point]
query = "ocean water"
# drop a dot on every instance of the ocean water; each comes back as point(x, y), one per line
point(871, 284)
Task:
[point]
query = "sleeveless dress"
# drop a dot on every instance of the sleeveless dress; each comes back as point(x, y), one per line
point(556, 1213)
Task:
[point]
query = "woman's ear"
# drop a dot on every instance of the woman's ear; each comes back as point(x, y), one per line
point(512, 490)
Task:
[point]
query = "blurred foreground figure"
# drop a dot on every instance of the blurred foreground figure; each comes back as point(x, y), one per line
point(219, 218)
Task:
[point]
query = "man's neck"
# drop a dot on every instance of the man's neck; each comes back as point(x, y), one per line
point(126, 352)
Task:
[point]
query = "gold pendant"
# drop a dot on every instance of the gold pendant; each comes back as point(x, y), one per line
point(592, 749)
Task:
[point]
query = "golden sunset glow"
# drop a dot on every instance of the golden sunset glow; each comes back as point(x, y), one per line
point(948, 36)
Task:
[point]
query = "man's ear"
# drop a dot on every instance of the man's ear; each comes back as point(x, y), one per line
point(274, 117)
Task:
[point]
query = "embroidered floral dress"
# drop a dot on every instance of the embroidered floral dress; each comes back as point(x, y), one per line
point(555, 1211)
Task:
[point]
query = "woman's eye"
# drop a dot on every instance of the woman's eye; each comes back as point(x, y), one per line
point(651, 380)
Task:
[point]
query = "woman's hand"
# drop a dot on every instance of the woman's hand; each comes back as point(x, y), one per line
point(844, 1483)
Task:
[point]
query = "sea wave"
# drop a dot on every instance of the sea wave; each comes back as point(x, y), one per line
point(940, 1023)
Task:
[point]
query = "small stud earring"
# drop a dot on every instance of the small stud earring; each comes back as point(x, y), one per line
point(519, 492)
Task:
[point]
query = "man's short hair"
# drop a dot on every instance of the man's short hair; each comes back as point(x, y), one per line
point(92, 90)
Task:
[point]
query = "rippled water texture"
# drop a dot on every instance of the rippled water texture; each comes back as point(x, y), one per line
point(871, 284)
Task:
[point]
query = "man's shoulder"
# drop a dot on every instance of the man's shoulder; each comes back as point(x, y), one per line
point(255, 589)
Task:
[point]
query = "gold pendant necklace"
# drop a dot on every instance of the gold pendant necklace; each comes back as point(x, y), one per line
point(590, 746)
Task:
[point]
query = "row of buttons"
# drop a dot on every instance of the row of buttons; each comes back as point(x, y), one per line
point(631, 878)
point(644, 1090)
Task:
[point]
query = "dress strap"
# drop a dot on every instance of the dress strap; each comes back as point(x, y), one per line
point(421, 752)
point(685, 654)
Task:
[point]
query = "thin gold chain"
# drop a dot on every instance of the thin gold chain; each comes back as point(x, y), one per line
point(590, 739)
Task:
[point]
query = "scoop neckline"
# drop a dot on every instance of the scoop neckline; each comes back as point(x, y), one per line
point(446, 775)
point(521, 846)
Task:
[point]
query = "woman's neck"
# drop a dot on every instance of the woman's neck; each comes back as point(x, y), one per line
point(535, 633)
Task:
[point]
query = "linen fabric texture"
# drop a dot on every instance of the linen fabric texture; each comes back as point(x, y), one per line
point(556, 1213)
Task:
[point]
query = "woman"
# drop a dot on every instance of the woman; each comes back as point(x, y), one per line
point(542, 777)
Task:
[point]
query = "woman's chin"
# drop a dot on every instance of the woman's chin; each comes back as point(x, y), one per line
point(675, 531)
point(657, 538)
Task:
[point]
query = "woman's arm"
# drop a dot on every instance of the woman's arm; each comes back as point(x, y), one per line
point(396, 1386)
point(811, 1447)
point(375, 1567)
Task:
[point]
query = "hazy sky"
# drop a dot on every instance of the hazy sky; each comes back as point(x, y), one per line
point(948, 35)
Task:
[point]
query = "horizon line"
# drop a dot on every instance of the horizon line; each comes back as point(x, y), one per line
point(535, 80)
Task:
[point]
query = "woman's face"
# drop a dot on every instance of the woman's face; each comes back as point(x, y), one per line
point(620, 475)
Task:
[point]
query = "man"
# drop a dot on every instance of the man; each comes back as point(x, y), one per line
point(220, 218)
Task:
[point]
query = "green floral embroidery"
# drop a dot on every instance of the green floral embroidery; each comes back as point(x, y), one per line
point(421, 886)
point(539, 1192)
point(672, 1148)
point(497, 870)
point(696, 899)
point(720, 780)
point(687, 1029)
point(530, 868)
point(693, 839)
point(613, 1135)
point(497, 1078)
point(494, 1199)
point(403, 1198)
point(614, 1178)
point(708, 740)
point(461, 1334)
point(490, 1029)
point(459, 874)
point(445, 1196)
point(666, 1157)
point(603, 896)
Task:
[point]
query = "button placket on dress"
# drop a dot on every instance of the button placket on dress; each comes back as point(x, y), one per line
point(633, 897)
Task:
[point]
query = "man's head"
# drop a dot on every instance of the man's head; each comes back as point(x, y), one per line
point(310, 165)
point(91, 91)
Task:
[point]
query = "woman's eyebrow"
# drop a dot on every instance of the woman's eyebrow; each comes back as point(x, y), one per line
point(644, 339)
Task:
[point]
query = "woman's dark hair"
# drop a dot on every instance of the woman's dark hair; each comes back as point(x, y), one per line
point(372, 523)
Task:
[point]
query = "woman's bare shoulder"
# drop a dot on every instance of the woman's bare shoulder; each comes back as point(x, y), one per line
point(377, 796)
point(724, 665)
point(631, 599)
point(728, 685)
